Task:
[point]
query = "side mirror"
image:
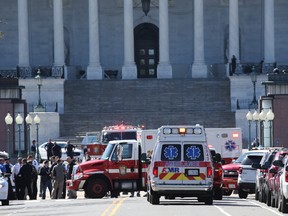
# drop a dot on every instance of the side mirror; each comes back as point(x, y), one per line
point(278, 163)
point(145, 159)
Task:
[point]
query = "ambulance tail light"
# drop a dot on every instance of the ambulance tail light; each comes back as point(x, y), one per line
point(209, 172)
point(155, 171)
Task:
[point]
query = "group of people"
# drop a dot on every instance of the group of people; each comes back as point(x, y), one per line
point(52, 173)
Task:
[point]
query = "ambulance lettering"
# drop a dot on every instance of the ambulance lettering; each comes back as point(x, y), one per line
point(170, 169)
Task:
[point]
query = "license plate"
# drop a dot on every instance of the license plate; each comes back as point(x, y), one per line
point(192, 172)
point(232, 186)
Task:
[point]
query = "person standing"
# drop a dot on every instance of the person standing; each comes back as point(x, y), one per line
point(33, 148)
point(26, 173)
point(72, 194)
point(45, 179)
point(70, 149)
point(17, 179)
point(233, 65)
point(58, 174)
point(48, 147)
point(8, 167)
point(56, 150)
point(35, 164)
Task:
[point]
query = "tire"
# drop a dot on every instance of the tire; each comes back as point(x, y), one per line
point(154, 199)
point(209, 201)
point(226, 192)
point(282, 205)
point(242, 194)
point(268, 198)
point(5, 202)
point(218, 194)
point(96, 188)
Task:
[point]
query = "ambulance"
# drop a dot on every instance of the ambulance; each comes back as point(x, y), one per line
point(225, 141)
point(181, 165)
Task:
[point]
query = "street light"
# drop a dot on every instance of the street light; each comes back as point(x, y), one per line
point(39, 107)
point(146, 6)
point(262, 118)
point(8, 121)
point(256, 119)
point(270, 118)
point(28, 120)
point(249, 118)
point(19, 122)
point(37, 122)
point(253, 76)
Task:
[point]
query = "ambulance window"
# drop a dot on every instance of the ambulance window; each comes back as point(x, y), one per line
point(193, 152)
point(129, 135)
point(171, 152)
point(127, 151)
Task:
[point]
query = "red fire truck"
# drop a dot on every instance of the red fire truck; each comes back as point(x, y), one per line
point(120, 169)
point(96, 142)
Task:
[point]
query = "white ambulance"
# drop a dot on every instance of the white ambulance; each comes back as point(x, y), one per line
point(181, 165)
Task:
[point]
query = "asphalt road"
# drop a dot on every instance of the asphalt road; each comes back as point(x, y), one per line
point(126, 206)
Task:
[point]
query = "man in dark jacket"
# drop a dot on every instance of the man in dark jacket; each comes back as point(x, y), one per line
point(56, 150)
point(48, 148)
point(26, 173)
point(70, 149)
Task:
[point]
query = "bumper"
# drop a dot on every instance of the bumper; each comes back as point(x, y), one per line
point(230, 184)
point(75, 184)
point(247, 187)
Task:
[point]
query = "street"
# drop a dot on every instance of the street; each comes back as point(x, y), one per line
point(124, 205)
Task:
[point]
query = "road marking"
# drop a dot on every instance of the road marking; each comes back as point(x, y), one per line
point(222, 210)
point(112, 208)
point(266, 207)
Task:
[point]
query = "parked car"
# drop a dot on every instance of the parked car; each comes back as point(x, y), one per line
point(262, 174)
point(4, 188)
point(247, 174)
point(78, 153)
point(231, 173)
point(282, 189)
point(272, 179)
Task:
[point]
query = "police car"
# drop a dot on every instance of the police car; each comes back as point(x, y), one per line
point(181, 165)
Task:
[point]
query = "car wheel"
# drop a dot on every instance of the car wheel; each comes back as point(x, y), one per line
point(5, 202)
point(154, 197)
point(242, 194)
point(268, 198)
point(96, 188)
point(227, 192)
point(209, 200)
point(218, 194)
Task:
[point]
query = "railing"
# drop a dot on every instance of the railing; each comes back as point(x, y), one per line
point(31, 72)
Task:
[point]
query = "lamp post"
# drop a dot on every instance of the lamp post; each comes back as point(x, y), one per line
point(8, 121)
point(249, 118)
point(262, 118)
point(39, 107)
point(253, 76)
point(270, 118)
point(19, 122)
point(37, 122)
point(146, 6)
point(28, 121)
point(256, 119)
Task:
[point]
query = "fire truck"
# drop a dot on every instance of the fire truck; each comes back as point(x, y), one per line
point(120, 169)
point(96, 142)
point(226, 141)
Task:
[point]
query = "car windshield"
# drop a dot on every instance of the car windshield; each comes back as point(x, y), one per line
point(252, 159)
point(241, 158)
point(108, 151)
point(127, 135)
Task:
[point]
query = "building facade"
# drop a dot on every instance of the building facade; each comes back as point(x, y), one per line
point(177, 39)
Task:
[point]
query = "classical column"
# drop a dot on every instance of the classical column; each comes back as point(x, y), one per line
point(23, 35)
point(59, 54)
point(129, 70)
point(164, 69)
point(94, 69)
point(199, 68)
point(233, 30)
point(269, 34)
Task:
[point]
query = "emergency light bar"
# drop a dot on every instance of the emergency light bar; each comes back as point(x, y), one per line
point(182, 131)
point(119, 127)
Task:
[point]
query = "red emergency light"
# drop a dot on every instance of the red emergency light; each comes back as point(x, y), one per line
point(149, 137)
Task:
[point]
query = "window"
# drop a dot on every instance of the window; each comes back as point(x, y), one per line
point(193, 152)
point(127, 151)
point(171, 152)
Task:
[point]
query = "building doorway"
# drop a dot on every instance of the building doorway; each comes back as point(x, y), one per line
point(146, 44)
